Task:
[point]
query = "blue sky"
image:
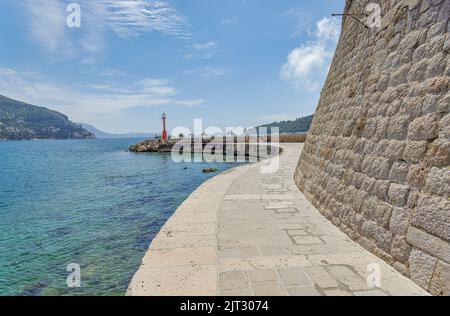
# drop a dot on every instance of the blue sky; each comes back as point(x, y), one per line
point(229, 62)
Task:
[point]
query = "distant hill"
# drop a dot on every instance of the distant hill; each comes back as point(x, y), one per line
point(300, 125)
point(22, 121)
point(103, 135)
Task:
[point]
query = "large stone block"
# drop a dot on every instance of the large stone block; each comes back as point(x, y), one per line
point(419, 69)
point(415, 151)
point(417, 175)
point(399, 221)
point(436, 66)
point(400, 249)
point(383, 213)
point(369, 208)
point(433, 214)
point(395, 150)
point(399, 172)
point(438, 182)
point(431, 244)
point(444, 126)
point(421, 267)
point(398, 127)
point(383, 239)
point(367, 164)
point(398, 194)
point(423, 128)
point(437, 85)
point(438, 154)
point(381, 188)
point(440, 282)
point(368, 229)
point(380, 168)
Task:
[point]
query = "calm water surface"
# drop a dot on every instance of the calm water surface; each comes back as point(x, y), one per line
point(88, 202)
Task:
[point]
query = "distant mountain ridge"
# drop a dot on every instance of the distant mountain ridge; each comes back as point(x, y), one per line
point(300, 125)
point(103, 135)
point(22, 121)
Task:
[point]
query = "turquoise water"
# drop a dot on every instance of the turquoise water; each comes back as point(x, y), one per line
point(88, 202)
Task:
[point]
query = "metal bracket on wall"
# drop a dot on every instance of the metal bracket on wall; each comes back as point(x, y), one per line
point(354, 17)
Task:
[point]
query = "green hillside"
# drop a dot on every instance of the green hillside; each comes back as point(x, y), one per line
point(300, 125)
point(21, 121)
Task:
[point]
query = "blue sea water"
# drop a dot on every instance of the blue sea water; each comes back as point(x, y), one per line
point(89, 202)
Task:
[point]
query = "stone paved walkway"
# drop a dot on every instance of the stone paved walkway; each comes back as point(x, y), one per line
point(248, 233)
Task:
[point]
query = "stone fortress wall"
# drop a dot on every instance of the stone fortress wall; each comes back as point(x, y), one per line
point(376, 160)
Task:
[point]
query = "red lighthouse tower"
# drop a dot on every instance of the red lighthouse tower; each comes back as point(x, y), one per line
point(164, 133)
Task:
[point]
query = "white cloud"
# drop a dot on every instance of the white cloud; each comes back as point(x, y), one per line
point(230, 21)
point(328, 30)
point(91, 102)
point(129, 18)
point(208, 72)
point(308, 64)
point(47, 20)
point(204, 46)
point(201, 50)
point(126, 18)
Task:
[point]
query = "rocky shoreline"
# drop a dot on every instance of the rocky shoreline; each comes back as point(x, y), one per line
point(211, 145)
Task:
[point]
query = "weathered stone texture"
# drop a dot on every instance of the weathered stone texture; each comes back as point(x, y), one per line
point(377, 158)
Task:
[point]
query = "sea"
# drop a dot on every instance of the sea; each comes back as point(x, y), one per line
point(84, 204)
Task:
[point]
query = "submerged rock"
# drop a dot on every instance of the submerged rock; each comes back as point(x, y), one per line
point(210, 170)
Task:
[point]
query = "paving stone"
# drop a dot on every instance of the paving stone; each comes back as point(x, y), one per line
point(240, 293)
point(233, 280)
point(239, 252)
point(321, 277)
point(180, 257)
point(286, 210)
point(263, 275)
point(370, 293)
point(286, 198)
point(337, 292)
point(276, 206)
point(298, 232)
point(273, 250)
point(294, 276)
point(303, 291)
point(172, 281)
point(348, 277)
point(272, 186)
point(308, 240)
point(267, 289)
